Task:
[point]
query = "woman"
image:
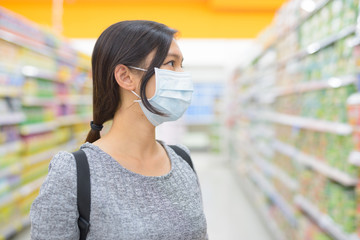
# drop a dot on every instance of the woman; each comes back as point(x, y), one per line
point(140, 188)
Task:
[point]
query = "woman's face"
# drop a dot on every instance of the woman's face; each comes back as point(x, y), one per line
point(173, 62)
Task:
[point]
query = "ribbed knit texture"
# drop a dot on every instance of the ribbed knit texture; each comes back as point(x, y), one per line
point(124, 205)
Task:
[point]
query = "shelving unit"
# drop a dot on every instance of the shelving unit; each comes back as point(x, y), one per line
point(45, 106)
point(322, 220)
point(10, 91)
point(319, 45)
point(10, 147)
point(296, 133)
point(16, 225)
point(302, 122)
point(271, 170)
point(274, 196)
point(46, 155)
point(355, 158)
point(316, 164)
point(12, 118)
point(313, 86)
point(256, 199)
point(320, 5)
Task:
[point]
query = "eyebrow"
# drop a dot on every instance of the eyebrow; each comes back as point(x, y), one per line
point(176, 56)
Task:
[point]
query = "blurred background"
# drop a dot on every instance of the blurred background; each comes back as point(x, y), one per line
point(273, 126)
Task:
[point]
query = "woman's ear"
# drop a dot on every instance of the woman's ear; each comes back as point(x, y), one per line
point(125, 78)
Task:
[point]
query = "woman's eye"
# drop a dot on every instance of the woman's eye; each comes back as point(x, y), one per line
point(170, 63)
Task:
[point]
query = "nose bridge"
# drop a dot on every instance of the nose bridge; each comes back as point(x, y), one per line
point(179, 69)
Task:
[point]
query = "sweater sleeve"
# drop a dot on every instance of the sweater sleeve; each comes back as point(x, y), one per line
point(54, 212)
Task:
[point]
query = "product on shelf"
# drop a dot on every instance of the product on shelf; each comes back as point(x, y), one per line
point(313, 81)
point(45, 105)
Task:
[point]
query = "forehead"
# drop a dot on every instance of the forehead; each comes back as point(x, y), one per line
point(175, 50)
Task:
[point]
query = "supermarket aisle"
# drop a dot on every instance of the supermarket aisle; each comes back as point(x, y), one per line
point(229, 213)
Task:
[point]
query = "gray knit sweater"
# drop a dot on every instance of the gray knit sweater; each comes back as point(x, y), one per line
point(124, 205)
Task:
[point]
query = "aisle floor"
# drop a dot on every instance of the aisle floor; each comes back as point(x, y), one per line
point(229, 214)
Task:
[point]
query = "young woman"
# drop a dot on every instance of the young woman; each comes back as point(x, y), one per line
point(140, 188)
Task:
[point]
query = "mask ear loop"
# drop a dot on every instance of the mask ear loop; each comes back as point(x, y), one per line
point(137, 96)
point(137, 68)
point(141, 69)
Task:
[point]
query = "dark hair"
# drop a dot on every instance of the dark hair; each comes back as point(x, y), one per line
point(128, 43)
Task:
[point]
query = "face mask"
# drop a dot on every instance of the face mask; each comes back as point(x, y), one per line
point(172, 95)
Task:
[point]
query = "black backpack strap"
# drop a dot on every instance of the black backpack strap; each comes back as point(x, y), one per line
point(83, 192)
point(181, 152)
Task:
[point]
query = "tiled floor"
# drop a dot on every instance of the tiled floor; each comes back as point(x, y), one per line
point(229, 214)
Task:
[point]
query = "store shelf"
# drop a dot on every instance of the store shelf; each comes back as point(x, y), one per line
point(317, 46)
point(322, 220)
point(302, 122)
point(316, 164)
point(333, 82)
point(67, 100)
point(38, 63)
point(285, 179)
point(11, 170)
point(320, 5)
point(13, 227)
point(76, 100)
point(34, 72)
point(36, 128)
point(42, 127)
point(38, 47)
point(37, 101)
point(27, 43)
point(23, 191)
point(82, 134)
point(260, 207)
point(10, 91)
point(355, 41)
point(40, 157)
point(10, 147)
point(12, 118)
point(47, 155)
point(34, 159)
point(28, 161)
point(273, 171)
point(321, 44)
point(265, 150)
point(256, 101)
point(267, 188)
point(72, 120)
point(355, 158)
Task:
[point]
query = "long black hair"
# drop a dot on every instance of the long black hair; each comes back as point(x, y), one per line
point(127, 43)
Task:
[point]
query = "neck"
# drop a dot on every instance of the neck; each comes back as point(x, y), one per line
point(131, 134)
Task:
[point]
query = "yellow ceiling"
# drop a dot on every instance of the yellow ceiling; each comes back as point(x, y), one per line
point(193, 18)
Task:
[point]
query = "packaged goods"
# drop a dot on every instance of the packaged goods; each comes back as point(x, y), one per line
point(41, 83)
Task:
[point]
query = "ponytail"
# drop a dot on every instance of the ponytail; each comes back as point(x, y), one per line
point(92, 136)
point(94, 133)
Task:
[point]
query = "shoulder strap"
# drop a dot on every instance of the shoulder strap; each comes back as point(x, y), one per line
point(179, 151)
point(83, 192)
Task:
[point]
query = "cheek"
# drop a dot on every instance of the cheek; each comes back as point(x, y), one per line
point(150, 88)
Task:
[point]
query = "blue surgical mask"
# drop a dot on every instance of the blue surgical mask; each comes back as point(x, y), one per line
point(172, 96)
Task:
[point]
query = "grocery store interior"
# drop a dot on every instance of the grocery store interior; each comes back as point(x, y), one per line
point(274, 123)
